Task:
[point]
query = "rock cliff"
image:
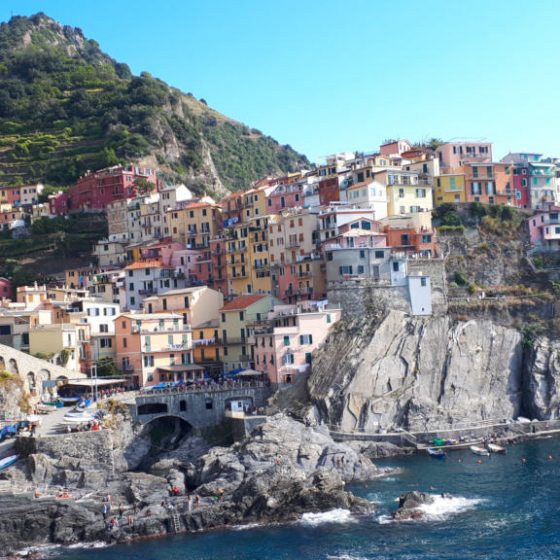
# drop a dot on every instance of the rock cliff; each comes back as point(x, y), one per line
point(430, 373)
point(283, 470)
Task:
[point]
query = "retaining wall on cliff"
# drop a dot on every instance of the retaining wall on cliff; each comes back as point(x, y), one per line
point(97, 447)
point(357, 296)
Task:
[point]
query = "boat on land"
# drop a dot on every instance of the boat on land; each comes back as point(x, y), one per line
point(436, 453)
point(493, 448)
point(479, 450)
point(8, 461)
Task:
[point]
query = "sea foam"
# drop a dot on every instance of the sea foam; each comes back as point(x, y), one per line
point(333, 516)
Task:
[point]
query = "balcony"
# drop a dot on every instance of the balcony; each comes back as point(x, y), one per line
point(207, 342)
point(162, 330)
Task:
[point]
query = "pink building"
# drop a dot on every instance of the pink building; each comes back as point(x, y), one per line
point(283, 344)
point(286, 195)
point(453, 155)
point(395, 147)
point(6, 289)
point(521, 189)
point(544, 228)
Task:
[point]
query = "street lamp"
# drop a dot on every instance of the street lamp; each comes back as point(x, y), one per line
point(94, 377)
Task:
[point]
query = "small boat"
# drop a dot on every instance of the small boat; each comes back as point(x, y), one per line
point(69, 400)
point(8, 461)
point(479, 450)
point(436, 453)
point(493, 448)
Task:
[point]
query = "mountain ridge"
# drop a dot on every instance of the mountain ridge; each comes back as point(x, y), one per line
point(66, 106)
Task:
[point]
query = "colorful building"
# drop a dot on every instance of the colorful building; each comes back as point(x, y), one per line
point(237, 319)
point(95, 190)
point(544, 228)
point(450, 189)
point(155, 348)
point(283, 342)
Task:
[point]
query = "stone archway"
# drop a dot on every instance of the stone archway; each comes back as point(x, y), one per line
point(31, 382)
point(166, 432)
point(12, 366)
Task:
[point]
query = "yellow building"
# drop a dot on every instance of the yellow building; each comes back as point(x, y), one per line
point(194, 224)
point(237, 260)
point(407, 193)
point(236, 318)
point(449, 189)
point(58, 342)
point(260, 280)
point(207, 347)
point(197, 305)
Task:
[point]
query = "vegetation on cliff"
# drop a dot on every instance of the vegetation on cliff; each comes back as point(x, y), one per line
point(66, 107)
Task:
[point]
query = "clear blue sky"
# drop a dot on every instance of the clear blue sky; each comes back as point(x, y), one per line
point(334, 75)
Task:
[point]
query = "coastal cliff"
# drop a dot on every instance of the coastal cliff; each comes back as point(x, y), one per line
point(432, 373)
point(282, 471)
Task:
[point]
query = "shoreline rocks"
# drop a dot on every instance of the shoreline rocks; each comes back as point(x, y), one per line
point(283, 470)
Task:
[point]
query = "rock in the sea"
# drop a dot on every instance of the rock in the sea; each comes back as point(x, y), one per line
point(410, 505)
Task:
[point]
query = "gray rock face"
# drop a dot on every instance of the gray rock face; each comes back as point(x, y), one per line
point(542, 380)
point(410, 505)
point(418, 373)
point(282, 471)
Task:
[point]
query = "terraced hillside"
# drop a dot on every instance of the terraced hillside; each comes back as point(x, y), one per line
point(65, 106)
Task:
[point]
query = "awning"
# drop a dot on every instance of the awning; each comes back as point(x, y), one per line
point(100, 382)
point(249, 373)
point(179, 368)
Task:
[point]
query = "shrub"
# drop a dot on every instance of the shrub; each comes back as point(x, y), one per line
point(461, 279)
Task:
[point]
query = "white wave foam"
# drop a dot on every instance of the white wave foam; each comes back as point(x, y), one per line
point(46, 550)
point(346, 557)
point(338, 515)
point(96, 544)
point(442, 507)
point(388, 479)
point(248, 526)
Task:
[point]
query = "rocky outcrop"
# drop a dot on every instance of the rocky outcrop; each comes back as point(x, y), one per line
point(410, 505)
point(283, 470)
point(542, 380)
point(418, 373)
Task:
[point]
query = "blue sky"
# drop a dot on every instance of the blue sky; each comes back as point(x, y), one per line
point(334, 75)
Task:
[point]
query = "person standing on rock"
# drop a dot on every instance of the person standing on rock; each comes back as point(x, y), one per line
point(189, 503)
point(105, 511)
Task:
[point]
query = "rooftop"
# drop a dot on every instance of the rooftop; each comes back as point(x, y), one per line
point(242, 302)
point(153, 263)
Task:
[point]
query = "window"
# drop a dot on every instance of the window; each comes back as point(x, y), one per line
point(395, 267)
point(360, 269)
point(241, 315)
point(104, 328)
point(125, 343)
point(401, 193)
point(286, 341)
point(209, 404)
point(379, 254)
point(423, 282)
point(347, 269)
point(308, 357)
point(148, 361)
point(288, 359)
point(306, 339)
point(420, 193)
point(223, 317)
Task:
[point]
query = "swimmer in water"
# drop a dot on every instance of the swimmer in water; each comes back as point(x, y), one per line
point(479, 462)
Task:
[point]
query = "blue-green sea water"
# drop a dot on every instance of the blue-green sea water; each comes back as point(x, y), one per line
point(504, 508)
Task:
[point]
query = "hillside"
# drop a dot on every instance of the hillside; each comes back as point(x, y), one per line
point(65, 106)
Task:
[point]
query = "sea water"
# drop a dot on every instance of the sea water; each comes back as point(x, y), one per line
point(506, 507)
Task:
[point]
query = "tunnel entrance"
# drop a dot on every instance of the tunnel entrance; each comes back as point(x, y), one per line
point(166, 433)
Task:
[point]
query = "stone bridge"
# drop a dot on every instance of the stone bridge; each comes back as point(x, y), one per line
point(200, 407)
point(32, 371)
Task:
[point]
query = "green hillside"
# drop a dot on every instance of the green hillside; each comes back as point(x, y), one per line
point(65, 107)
